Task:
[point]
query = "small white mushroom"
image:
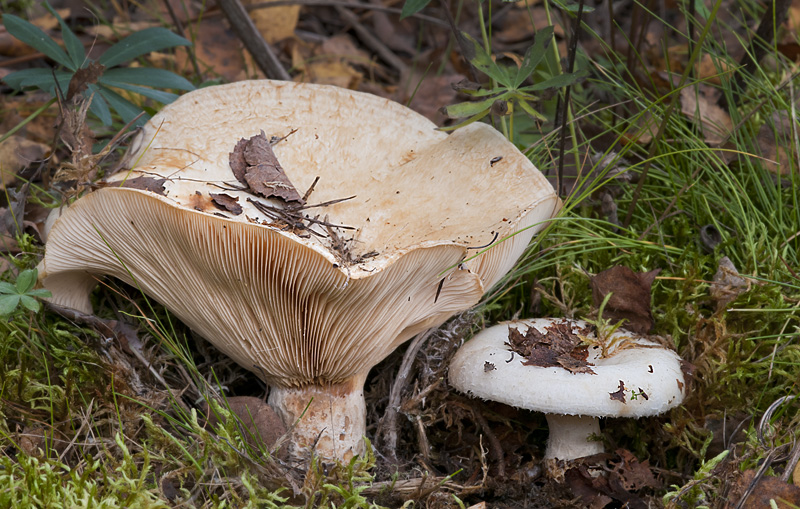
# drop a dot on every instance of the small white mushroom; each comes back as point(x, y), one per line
point(639, 378)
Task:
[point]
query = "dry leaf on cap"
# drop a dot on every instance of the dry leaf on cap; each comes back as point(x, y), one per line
point(254, 164)
point(558, 346)
point(630, 296)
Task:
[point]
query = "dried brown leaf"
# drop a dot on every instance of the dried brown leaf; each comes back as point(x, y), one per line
point(619, 394)
point(262, 172)
point(83, 78)
point(630, 296)
point(152, 184)
point(227, 202)
point(16, 153)
point(558, 346)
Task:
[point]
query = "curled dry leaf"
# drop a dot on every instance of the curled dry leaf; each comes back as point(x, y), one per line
point(630, 296)
point(16, 153)
point(152, 184)
point(83, 78)
point(254, 164)
point(558, 346)
point(728, 284)
point(262, 426)
point(700, 104)
point(227, 202)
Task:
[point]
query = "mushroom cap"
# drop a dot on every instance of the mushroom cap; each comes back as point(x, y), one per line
point(651, 376)
point(285, 303)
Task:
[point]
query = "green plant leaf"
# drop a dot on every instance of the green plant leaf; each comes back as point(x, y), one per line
point(30, 303)
point(126, 109)
point(157, 78)
point(7, 288)
point(158, 95)
point(26, 280)
point(34, 36)
point(483, 61)
point(412, 7)
point(40, 293)
point(562, 80)
point(99, 106)
point(534, 55)
point(140, 43)
point(527, 108)
point(74, 47)
point(8, 303)
point(39, 78)
point(467, 109)
point(467, 122)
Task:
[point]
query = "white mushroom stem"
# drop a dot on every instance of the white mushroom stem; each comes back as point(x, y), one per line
point(571, 437)
point(329, 419)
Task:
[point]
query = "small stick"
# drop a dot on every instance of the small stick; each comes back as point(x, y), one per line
point(387, 428)
point(262, 52)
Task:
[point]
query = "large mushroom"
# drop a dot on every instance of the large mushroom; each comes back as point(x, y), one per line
point(212, 221)
point(560, 367)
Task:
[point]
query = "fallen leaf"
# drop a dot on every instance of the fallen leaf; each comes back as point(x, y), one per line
point(619, 485)
point(262, 426)
point(619, 394)
point(218, 51)
point(558, 346)
point(330, 72)
point(152, 184)
point(227, 202)
point(700, 104)
point(254, 164)
point(84, 77)
point(17, 153)
point(773, 138)
point(766, 489)
point(630, 296)
point(274, 23)
point(728, 284)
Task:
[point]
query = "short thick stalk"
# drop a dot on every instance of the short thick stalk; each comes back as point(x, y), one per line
point(571, 437)
point(328, 420)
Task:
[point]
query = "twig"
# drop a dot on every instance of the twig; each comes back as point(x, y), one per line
point(179, 26)
point(387, 428)
point(371, 41)
point(573, 48)
point(262, 52)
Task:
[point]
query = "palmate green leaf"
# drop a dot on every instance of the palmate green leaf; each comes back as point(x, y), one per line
point(39, 78)
point(99, 106)
point(559, 81)
point(158, 95)
point(74, 47)
point(40, 293)
point(534, 55)
point(8, 303)
point(157, 78)
point(412, 7)
point(527, 108)
point(141, 43)
point(34, 36)
point(7, 288)
point(26, 280)
point(126, 109)
point(467, 122)
point(30, 303)
point(467, 109)
point(483, 61)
